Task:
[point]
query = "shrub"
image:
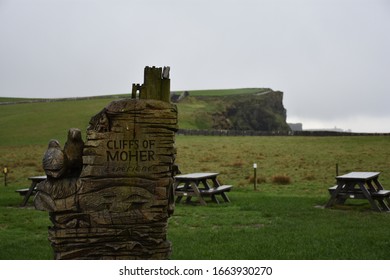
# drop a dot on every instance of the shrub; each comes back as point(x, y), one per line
point(237, 163)
point(281, 179)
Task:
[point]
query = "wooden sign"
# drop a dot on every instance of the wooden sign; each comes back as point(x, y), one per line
point(119, 205)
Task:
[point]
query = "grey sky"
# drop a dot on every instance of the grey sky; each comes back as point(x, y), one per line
point(331, 58)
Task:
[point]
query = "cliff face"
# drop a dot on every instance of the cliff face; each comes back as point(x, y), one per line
point(263, 111)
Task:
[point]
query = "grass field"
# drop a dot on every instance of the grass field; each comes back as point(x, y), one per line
point(277, 221)
point(50, 119)
point(32, 123)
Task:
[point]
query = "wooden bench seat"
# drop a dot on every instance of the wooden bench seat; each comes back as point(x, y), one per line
point(181, 191)
point(217, 190)
point(343, 194)
point(359, 194)
point(224, 188)
point(189, 193)
point(221, 190)
point(23, 192)
point(355, 191)
point(185, 193)
point(332, 189)
point(381, 193)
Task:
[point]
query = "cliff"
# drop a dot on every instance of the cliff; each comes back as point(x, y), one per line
point(260, 110)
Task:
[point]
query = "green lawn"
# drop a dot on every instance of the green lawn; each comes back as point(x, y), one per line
point(274, 222)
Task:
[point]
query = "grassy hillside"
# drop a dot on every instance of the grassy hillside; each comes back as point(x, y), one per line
point(37, 123)
point(13, 99)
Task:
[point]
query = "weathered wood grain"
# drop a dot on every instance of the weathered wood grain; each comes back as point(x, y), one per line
point(119, 206)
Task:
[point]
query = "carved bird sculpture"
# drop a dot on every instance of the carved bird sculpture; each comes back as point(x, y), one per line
point(73, 152)
point(53, 161)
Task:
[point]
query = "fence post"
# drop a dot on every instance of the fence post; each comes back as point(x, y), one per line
point(5, 171)
point(255, 175)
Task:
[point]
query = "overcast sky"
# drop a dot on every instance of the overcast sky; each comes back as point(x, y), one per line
point(331, 58)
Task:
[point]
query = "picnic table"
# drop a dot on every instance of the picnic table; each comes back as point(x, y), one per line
point(360, 185)
point(27, 192)
point(200, 185)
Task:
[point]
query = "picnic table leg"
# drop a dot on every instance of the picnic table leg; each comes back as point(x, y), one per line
point(28, 194)
point(214, 198)
point(384, 202)
point(198, 194)
point(369, 198)
point(206, 184)
point(216, 183)
point(380, 187)
point(334, 195)
point(376, 182)
point(225, 197)
point(178, 199)
point(375, 188)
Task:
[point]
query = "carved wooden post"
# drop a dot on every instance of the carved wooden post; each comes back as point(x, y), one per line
point(118, 207)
